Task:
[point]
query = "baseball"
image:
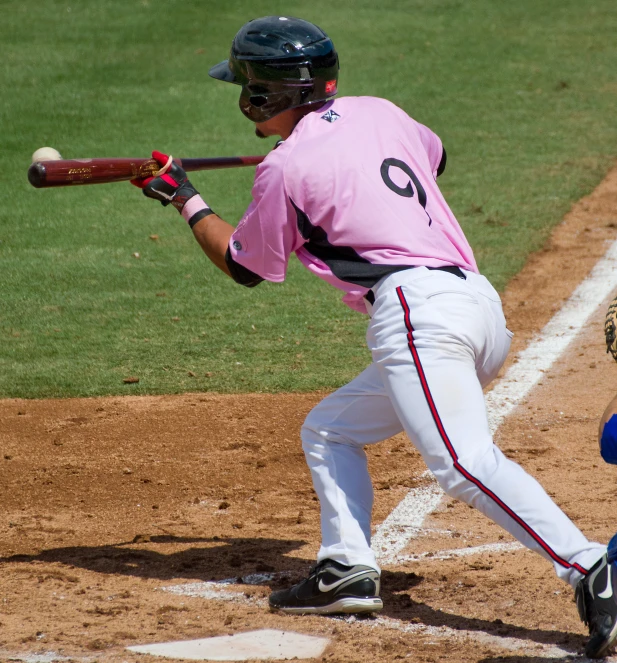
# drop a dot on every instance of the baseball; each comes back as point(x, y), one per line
point(46, 154)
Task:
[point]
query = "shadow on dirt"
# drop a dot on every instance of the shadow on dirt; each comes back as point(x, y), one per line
point(399, 605)
point(528, 659)
point(168, 557)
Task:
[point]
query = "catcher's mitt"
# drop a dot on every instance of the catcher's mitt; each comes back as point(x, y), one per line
point(610, 329)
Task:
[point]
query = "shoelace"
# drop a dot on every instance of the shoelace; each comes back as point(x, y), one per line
point(316, 568)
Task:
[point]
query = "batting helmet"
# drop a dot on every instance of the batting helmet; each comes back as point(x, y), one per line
point(280, 63)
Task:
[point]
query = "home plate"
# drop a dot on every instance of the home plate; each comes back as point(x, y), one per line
point(252, 645)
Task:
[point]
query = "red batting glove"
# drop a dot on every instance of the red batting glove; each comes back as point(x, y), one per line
point(173, 186)
point(161, 159)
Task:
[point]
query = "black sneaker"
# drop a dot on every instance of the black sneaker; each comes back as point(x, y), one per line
point(596, 600)
point(330, 588)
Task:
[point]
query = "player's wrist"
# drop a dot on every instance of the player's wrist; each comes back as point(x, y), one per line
point(183, 193)
point(195, 209)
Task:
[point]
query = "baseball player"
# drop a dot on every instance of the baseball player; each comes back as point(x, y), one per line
point(352, 192)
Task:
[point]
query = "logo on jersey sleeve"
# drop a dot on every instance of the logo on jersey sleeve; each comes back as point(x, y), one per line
point(330, 116)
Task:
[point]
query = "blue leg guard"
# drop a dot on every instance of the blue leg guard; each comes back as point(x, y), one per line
point(608, 441)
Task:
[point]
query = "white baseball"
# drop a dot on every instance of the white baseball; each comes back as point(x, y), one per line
point(46, 154)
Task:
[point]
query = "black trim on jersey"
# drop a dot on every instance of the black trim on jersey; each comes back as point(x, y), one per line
point(344, 262)
point(442, 164)
point(241, 274)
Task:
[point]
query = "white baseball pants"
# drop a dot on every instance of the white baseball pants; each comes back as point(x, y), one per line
point(436, 341)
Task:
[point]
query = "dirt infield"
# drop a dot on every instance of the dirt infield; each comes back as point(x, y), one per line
point(106, 501)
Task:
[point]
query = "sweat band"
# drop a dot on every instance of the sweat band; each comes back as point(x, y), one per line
point(608, 441)
point(195, 209)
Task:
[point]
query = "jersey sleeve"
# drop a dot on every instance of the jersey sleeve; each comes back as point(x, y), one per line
point(434, 149)
point(268, 232)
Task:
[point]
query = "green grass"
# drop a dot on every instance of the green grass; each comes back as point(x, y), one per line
point(523, 95)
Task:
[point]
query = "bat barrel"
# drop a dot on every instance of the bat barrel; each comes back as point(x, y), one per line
point(68, 172)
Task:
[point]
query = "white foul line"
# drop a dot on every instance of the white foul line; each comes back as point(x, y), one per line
point(45, 657)
point(216, 590)
point(405, 521)
point(537, 649)
point(548, 346)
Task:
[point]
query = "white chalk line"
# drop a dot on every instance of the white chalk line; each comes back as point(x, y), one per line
point(406, 520)
point(502, 642)
point(218, 590)
point(45, 657)
point(537, 649)
point(548, 346)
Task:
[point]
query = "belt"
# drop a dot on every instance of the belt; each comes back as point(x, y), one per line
point(451, 269)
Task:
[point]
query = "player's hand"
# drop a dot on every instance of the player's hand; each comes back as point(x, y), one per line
point(171, 186)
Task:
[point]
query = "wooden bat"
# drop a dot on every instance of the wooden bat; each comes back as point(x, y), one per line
point(68, 172)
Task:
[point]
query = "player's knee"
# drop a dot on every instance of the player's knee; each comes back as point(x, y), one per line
point(452, 483)
point(311, 431)
point(463, 491)
point(316, 431)
point(454, 477)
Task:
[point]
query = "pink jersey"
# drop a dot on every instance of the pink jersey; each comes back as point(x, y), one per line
point(353, 193)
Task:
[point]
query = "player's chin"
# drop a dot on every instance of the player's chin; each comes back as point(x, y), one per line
point(259, 133)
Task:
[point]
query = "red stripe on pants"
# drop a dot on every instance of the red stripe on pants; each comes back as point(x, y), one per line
point(452, 452)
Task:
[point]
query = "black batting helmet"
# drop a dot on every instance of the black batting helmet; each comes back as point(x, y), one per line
point(280, 63)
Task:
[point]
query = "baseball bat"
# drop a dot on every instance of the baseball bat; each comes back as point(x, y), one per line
point(68, 172)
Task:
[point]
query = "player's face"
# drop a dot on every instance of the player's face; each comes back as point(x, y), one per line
point(268, 128)
point(280, 125)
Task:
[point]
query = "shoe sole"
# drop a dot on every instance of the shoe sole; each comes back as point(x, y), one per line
point(604, 650)
point(346, 605)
